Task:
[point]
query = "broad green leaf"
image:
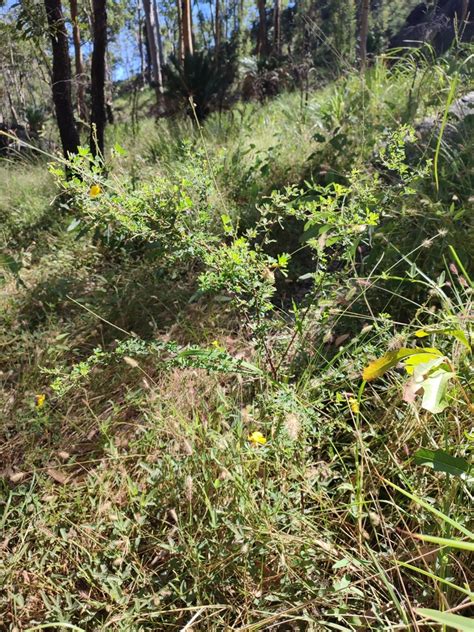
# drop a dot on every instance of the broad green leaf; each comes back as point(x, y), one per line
point(380, 366)
point(420, 364)
point(435, 387)
point(441, 461)
point(447, 618)
point(421, 369)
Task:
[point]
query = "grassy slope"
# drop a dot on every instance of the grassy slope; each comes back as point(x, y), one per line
point(135, 501)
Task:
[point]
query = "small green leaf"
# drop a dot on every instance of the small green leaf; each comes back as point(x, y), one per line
point(119, 150)
point(441, 461)
point(447, 618)
point(73, 225)
point(342, 584)
point(341, 563)
point(227, 223)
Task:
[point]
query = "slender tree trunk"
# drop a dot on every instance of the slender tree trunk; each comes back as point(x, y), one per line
point(108, 90)
point(14, 113)
point(217, 32)
point(187, 29)
point(61, 78)
point(262, 43)
point(180, 31)
point(277, 28)
point(98, 111)
point(140, 45)
point(146, 49)
point(363, 32)
point(17, 79)
point(159, 39)
point(154, 55)
point(79, 65)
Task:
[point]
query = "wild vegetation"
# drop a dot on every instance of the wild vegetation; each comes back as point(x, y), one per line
point(236, 359)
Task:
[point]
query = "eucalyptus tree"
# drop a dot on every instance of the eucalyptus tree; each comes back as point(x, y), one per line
point(61, 77)
point(153, 47)
point(98, 71)
point(186, 28)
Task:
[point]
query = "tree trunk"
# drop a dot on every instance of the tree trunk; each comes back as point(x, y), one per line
point(180, 31)
point(154, 55)
point(146, 49)
point(79, 65)
point(187, 29)
point(217, 33)
point(61, 78)
point(159, 39)
point(277, 28)
point(140, 45)
point(98, 112)
point(363, 32)
point(262, 43)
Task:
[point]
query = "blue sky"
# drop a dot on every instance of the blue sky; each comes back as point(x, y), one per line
point(124, 47)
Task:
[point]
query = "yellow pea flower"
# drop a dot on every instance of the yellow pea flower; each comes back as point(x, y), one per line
point(95, 190)
point(354, 404)
point(257, 438)
point(40, 400)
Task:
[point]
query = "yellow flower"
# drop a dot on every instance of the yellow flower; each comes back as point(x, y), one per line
point(40, 400)
point(257, 438)
point(354, 404)
point(95, 190)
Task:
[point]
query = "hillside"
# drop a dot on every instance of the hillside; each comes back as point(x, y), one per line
point(236, 368)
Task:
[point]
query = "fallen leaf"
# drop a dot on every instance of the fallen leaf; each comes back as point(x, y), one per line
point(340, 339)
point(130, 361)
point(410, 390)
point(16, 477)
point(57, 476)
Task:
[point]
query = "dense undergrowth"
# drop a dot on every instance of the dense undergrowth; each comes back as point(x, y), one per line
point(187, 439)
